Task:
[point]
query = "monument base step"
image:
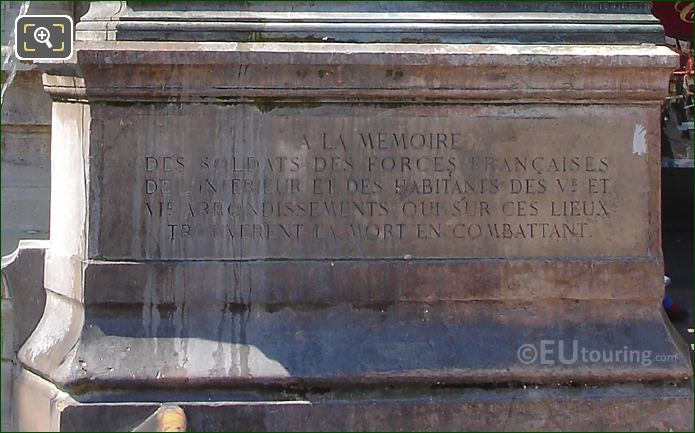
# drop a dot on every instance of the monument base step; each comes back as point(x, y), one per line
point(40, 406)
point(212, 346)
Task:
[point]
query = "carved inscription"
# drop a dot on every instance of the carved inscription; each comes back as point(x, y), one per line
point(359, 182)
point(378, 189)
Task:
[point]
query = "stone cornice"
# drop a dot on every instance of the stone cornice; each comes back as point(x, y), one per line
point(396, 21)
point(229, 72)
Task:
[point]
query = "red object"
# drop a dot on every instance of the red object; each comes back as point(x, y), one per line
point(676, 17)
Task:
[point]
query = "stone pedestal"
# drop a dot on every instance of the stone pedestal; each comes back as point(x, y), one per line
point(386, 236)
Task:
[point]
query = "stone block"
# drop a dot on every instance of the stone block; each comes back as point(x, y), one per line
point(378, 236)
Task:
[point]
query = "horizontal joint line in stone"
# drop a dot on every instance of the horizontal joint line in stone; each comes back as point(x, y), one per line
point(390, 259)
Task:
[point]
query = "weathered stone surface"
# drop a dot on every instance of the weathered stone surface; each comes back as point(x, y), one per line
point(618, 407)
point(6, 389)
point(23, 269)
point(35, 403)
point(242, 115)
point(332, 282)
point(355, 182)
point(21, 311)
point(454, 343)
point(274, 220)
point(26, 133)
point(26, 162)
point(330, 72)
point(395, 21)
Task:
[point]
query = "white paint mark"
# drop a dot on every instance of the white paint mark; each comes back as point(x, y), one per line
point(639, 140)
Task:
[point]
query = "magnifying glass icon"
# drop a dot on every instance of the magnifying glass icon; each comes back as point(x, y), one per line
point(43, 36)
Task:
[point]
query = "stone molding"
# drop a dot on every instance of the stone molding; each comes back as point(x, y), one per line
point(435, 22)
point(152, 71)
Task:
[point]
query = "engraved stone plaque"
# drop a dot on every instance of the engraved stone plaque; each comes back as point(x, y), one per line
point(370, 182)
